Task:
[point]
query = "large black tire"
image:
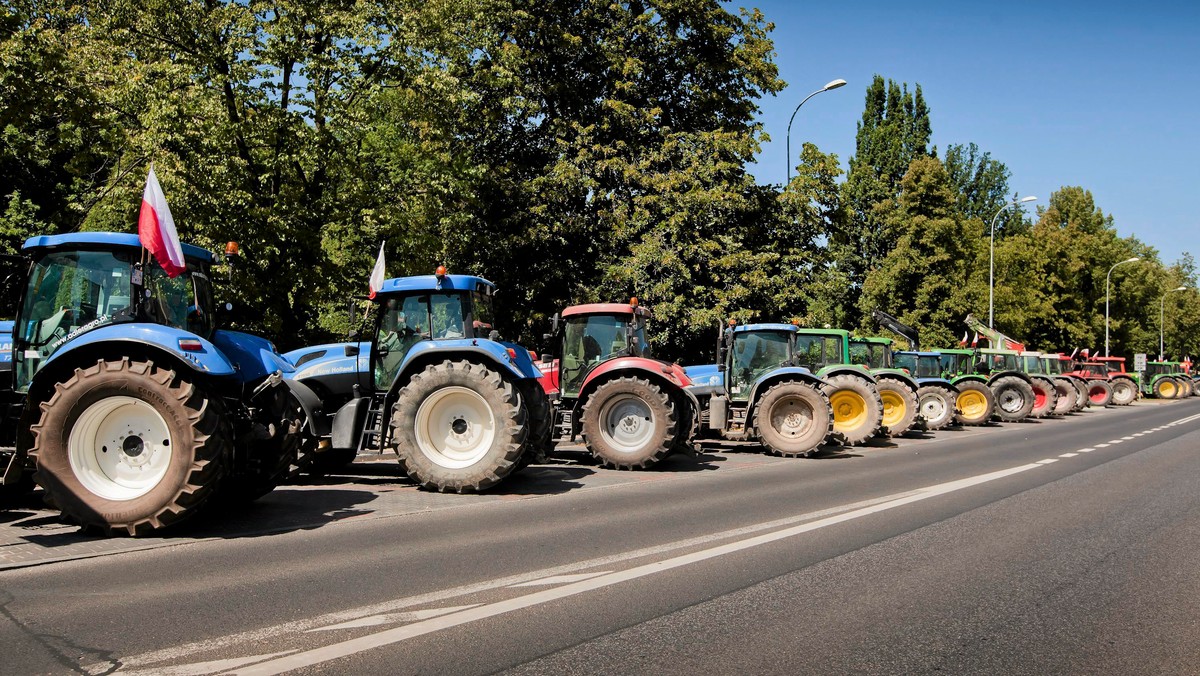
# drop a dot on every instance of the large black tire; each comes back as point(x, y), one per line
point(630, 423)
point(1100, 393)
point(899, 406)
point(857, 408)
point(103, 476)
point(975, 403)
point(1165, 388)
point(537, 411)
point(793, 419)
point(1045, 397)
point(270, 450)
point(1189, 388)
point(1125, 391)
point(1014, 398)
point(936, 403)
point(459, 427)
point(1081, 394)
point(1067, 396)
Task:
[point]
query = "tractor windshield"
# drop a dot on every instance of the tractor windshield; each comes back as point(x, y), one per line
point(1093, 368)
point(919, 366)
point(1032, 364)
point(955, 364)
point(755, 353)
point(589, 340)
point(1114, 366)
point(68, 293)
point(871, 355)
point(1053, 365)
point(1000, 361)
point(816, 351)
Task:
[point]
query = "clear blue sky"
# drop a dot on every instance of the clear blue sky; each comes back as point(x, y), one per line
point(1103, 95)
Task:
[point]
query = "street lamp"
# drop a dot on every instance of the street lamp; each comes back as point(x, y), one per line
point(1106, 280)
point(1161, 307)
point(830, 85)
point(992, 254)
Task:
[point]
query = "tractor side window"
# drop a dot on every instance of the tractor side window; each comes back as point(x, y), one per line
point(482, 318)
point(753, 355)
point(448, 316)
point(860, 354)
point(588, 341)
point(639, 332)
point(68, 294)
point(810, 352)
point(908, 362)
point(403, 323)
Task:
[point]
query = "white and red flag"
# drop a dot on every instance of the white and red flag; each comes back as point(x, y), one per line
point(156, 228)
point(377, 274)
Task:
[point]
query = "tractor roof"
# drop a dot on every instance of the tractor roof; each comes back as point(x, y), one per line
point(435, 283)
point(873, 340)
point(996, 350)
point(956, 350)
point(624, 309)
point(1120, 359)
point(822, 332)
point(920, 353)
point(106, 240)
point(748, 328)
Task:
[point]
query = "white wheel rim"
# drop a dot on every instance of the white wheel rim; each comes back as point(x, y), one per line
point(933, 407)
point(627, 423)
point(120, 448)
point(455, 427)
point(1011, 401)
point(792, 417)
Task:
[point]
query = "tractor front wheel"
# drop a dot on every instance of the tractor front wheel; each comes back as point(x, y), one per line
point(899, 406)
point(793, 418)
point(975, 403)
point(127, 446)
point(1081, 394)
point(459, 427)
point(629, 423)
point(936, 404)
point(1045, 397)
point(857, 408)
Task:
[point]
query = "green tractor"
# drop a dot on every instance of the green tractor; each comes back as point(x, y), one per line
point(852, 390)
point(1166, 380)
point(897, 389)
point(1011, 391)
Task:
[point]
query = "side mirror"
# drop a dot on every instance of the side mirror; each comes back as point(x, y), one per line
point(351, 351)
point(547, 358)
point(353, 336)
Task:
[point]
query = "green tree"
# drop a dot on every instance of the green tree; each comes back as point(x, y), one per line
point(982, 187)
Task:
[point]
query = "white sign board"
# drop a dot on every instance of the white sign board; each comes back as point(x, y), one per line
point(1139, 362)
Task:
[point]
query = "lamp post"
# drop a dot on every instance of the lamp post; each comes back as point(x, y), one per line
point(1107, 278)
point(992, 255)
point(1161, 308)
point(834, 84)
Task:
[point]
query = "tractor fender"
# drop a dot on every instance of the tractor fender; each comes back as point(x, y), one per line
point(1124, 376)
point(898, 375)
point(771, 378)
point(515, 364)
point(253, 357)
point(318, 422)
point(1004, 374)
point(844, 370)
point(209, 359)
point(970, 376)
point(922, 382)
point(668, 375)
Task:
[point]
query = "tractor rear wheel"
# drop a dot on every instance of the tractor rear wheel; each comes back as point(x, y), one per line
point(1045, 397)
point(857, 407)
point(1165, 388)
point(127, 446)
point(537, 408)
point(1189, 388)
point(936, 404)
point(1014, 398)
point(1124, 392)
point(975, 403)
point(1100, 393)
point(459, 427)
point(630, 423)
point(793, 418)
point(899, 406)
point(1067, 396)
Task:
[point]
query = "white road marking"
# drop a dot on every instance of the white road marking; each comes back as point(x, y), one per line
point(1116, 441)
point(390, 636)
point(1086, 450)
point(560, 579)
point(1068, 455)
point(1047, 461)
point(1101, 445)
point(216, 666)
point(1130, 438)
point(394, 618)
point(1140, 434)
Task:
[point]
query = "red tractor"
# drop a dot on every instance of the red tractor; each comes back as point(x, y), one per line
point(631, 410)
point(1095, 377)
point(1124, 386)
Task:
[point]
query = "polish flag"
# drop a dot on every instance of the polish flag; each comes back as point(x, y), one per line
point(377, 274)
point(975, 341)
point(963, 342)
point(156, 228)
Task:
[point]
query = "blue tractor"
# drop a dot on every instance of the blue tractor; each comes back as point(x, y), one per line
point(435, 383)
point(130, 407)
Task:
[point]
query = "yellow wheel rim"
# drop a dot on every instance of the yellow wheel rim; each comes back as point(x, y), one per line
point(972, 404)
point(893, 408)
point(1166, 389)
point(849, 410)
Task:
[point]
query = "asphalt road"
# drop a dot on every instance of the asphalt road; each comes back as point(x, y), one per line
point(1061, 546)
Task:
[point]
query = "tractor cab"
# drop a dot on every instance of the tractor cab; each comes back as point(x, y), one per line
point(1032, 363)
point(956, 362)
point(752, 351)
point(874, 353)
point(920, 364)
point(817, 349)
point(1112, 364)
point(83, 281)
point(994, 361)
point(1091, 369)
point(593, 334)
